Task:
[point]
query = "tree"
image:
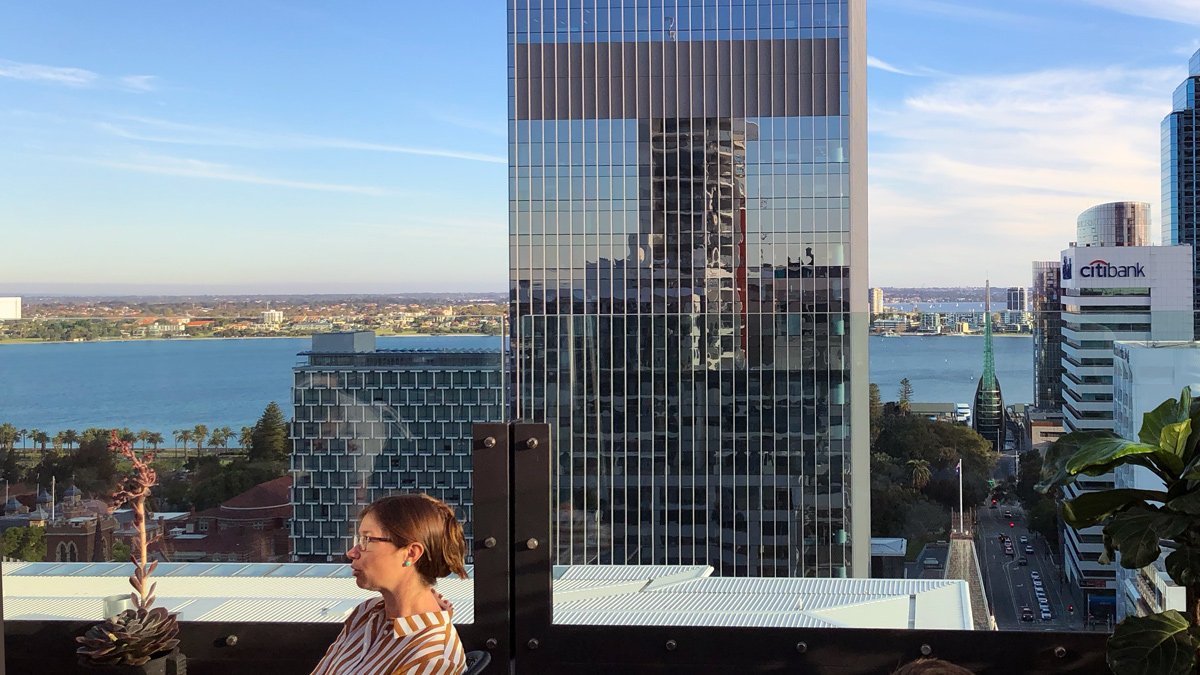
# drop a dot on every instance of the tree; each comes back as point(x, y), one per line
point(269, 439)
point(70, 438)
point(1137, 522)
point(226, 434)
point(200, 435)
point(8, 436)
point(143, 437)
point(121, 551)
point(11, 471)
point(154, 438)
point(245, 437)
point(41, 438)
point(904, 396)
point(25, 543)
point(920, 472)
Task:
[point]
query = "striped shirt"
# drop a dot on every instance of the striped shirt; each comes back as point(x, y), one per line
point(371, 644)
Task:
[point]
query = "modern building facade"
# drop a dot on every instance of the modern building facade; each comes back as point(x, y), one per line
point(688, 278)
point(1111, 293)
point(1114, 224)
point(1144, 375)
point(371, 422)
point(876, 301)
point(1181, 172)
point(10, 308)
point(987, 413)
point(1018, 299)
point(1047, 337)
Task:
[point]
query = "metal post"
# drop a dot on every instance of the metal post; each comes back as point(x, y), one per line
point(491, 476)
point(532, 554)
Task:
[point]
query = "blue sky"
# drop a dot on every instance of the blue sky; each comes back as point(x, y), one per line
point(305, 147)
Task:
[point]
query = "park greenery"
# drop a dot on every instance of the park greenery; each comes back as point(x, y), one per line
point(1139, 523)
point(201, 472)
point(914, 485)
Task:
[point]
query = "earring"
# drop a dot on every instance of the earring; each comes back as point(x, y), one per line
point(408, 563)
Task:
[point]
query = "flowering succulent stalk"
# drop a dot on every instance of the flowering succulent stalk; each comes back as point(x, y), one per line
point(135, 635)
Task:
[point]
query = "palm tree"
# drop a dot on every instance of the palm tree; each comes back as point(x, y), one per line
point(143, 436)
point(226, 434)
point(41, 438)
point(58, 441)
point(216, 437)
point(178, 436)
point(23, 436)
point(920, 473)
point(186, 436)
point(154, 438)
point(199, 434)
point(70, 438)
point(244, 437)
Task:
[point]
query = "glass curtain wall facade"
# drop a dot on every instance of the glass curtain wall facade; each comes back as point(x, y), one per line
point(1047, 336)
point(1114, 224)
point(1181, 174)
point(687, 195)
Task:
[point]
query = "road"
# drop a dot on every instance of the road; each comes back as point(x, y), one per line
point(1009, 585)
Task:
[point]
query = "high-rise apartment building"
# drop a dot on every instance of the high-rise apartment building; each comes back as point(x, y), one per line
point(1144, 375)
point(1047, 337)
point(1181, 173)
point(1114, 224)
point(1111, 293)
point(1018, 299)
point(876, 301)
point(372, 422)
point(10, 308)
point(688, 275)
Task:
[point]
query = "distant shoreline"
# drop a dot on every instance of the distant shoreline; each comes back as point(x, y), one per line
point(912, 335)
point(10, 341)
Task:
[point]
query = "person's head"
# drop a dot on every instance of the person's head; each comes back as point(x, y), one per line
point(412, 534)
point(931, 666)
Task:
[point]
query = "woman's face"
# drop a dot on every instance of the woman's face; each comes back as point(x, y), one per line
point(381, 564)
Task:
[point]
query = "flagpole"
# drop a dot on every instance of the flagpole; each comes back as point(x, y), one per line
point(961, 529)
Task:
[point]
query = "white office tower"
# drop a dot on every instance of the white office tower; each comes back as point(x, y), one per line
point(1111, 293)
point(1144, 375)
point(10, 308)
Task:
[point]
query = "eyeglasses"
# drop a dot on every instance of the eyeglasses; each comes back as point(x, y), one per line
point(363, 541)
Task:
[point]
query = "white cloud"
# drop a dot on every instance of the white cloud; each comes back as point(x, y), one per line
point(880, 64)
point(34, 72)
point(192, 168)
point(173, 133)
point(991, 172)
point(139, 82)
point(1179, 11)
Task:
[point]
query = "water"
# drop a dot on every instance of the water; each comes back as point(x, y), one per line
point(163, 385)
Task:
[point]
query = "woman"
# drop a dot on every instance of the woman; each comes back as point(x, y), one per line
point(404, 544)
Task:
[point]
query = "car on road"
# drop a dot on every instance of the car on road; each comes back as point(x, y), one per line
point(1007, 513)
point(1022, 561)
point(1023, 539)
point(1046, 615)
point(1008, 550)
point(1028, 549)
point(1026, 614)
point(1034, 574)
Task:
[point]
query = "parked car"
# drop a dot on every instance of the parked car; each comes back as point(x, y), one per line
point(1035, 574)
point(1022, 561)
point(1024, 539)
point(1046, 616)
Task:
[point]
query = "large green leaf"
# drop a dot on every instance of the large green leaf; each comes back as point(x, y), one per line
point(1054, 466)
point(1184, 566)
point(1168, 412)
point(1135, 533)
point(1101, 455)
point(1159, 644)
point(1174, 439)
point(1090, 508)
point(1188, 503)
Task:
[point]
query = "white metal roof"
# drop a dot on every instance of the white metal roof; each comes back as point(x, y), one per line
point(591, 595)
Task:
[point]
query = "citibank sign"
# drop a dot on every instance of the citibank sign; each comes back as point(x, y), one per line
point(1101, 269)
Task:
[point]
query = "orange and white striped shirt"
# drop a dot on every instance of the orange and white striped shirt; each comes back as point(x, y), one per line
point(371, 644)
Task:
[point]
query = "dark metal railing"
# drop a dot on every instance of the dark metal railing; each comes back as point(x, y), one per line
point(514, 613)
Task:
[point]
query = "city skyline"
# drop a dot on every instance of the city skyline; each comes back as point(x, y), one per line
point(199, 158)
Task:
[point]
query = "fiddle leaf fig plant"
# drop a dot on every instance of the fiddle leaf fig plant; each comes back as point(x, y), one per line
point(1139, 523)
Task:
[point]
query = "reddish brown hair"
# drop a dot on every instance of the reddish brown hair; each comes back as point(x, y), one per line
point(421, 519)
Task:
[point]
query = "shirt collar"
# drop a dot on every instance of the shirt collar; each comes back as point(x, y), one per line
point(407, 625)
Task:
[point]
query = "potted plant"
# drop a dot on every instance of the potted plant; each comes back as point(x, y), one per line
point(141, 639)
point(1140, 523)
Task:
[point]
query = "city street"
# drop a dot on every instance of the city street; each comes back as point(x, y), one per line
point(1009, 585)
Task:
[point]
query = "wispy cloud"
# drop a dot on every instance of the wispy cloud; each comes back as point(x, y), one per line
point(152, 130)
point(880, 64)
point(1004, 164)
point(1179, 11)
point(36, 72)
point(192, 168)
point(139, 82)
point(955, 10)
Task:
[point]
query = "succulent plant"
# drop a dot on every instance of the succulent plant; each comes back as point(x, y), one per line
point(135, 635)
point(132, 637)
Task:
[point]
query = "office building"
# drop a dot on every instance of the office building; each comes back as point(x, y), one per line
point(987, 414)
point(1047, 337)
point(1018, 299)
point(876, 301)
point(1111, 293)
point(1114, 224)
point(1144, 375)
point(370, 422)
point(688, 278)
point(10, 308)
point(1181, 173)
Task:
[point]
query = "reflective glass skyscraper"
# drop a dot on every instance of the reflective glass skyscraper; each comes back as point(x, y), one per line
point(688, 272)
point(1181, 173)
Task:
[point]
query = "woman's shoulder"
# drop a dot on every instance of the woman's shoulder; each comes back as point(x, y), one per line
point(364, 609)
